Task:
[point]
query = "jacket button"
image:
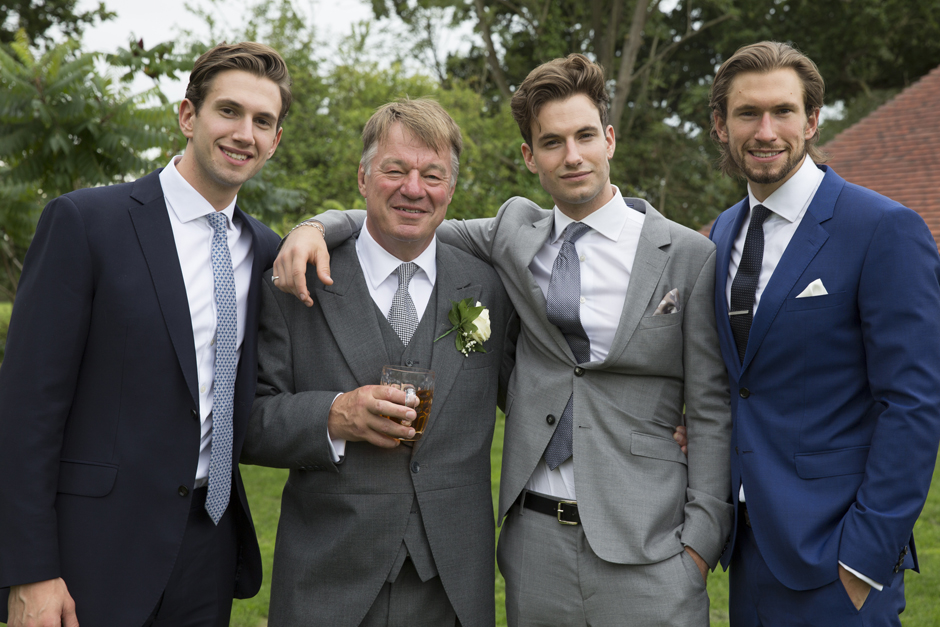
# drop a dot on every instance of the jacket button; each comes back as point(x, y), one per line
point(195, 414)
point(183, 491)
point(744, 392)
point(579, 371)
point(410, 363)
point(415, 467)
point(550, 419)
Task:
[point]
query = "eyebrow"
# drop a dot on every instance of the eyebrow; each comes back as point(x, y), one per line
point(406, 166)
point(551, 135)
point(779, 105)
point(234, 104)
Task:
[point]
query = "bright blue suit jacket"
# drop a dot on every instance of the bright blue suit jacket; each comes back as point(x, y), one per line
point(99, 429)
point(836, 407)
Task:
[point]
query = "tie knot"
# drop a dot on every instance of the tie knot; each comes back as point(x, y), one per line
point(574, 231)
point(217, 220)
point(759, 214)
point(405, 272)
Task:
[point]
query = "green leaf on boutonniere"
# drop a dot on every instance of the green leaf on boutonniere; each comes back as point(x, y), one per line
point(463, 316)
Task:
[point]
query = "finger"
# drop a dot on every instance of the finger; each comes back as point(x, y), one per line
point(298, 279)
point(388, 428)
point(323, 266)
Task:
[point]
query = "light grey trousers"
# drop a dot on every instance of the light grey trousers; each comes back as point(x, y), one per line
point(554, 579)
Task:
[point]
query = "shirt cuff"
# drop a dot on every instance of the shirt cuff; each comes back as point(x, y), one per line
point(337, 447)
point(877, 586)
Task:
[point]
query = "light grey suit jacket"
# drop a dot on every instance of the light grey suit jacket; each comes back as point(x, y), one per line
point(640, 499)
point(341, 525)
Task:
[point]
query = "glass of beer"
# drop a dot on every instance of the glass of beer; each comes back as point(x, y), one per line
point(415, 382)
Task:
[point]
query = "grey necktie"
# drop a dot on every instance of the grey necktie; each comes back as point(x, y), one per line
point(744, 286)
point(402, 315)
point(220, 458)
point(564, 311)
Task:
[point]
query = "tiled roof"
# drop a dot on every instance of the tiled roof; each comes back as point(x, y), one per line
point(895, 151)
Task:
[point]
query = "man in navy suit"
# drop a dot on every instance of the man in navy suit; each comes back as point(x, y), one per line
point(827, 300)
point(129, 375)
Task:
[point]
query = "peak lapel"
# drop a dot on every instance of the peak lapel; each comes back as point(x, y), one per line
point(155, 235)
point(648, 266)
point(350, 313)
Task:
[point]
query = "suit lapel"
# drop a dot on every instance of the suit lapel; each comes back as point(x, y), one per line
point(648, 266)
point(155, 235)
point(725, 244)
point(807, 240)
point(528, 241)
point(350, 313)
point(446, 361)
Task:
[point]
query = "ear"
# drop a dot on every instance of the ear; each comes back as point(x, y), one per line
point(277, 141)
point(812, 125)
point(529, 158)
point(187, 117)
point(721, 129)
point(611, 141)
point(362, 180)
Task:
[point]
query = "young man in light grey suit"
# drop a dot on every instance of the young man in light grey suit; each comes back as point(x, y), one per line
point(374, 531)
point(606, 521)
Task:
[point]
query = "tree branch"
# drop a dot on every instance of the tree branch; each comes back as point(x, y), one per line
point(491, 58)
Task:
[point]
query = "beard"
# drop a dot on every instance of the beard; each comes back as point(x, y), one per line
point(767, 176)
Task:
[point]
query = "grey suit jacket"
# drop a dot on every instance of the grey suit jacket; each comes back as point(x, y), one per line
point(640, 499)
point(342, 525)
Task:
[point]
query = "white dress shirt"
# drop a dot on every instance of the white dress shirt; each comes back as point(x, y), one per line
point(606, 252)
point(187, 210)
point(788, 205)
point(380, 268)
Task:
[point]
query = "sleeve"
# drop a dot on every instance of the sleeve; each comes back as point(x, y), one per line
point(898, 305)
point(47, 335)
point(287, 429)
point(708, 509)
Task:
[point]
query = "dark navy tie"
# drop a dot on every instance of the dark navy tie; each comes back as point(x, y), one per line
point(564, 311)
point(744, 285)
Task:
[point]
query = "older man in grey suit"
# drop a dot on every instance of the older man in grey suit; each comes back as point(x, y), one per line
point(373, 532)
point(607, 522)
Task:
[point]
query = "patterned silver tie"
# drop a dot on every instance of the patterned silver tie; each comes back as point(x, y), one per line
point(220, 460)
point(402, 315)
point(564, 311)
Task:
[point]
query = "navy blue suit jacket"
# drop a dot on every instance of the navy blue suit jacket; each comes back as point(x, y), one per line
point(836, 407)
point(99, 429)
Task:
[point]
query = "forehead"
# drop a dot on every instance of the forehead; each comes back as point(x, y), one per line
point(558, 116)
point(402, 146)
point(249, 90)
point(766, 90)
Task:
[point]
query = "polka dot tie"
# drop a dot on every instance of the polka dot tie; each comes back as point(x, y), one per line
point(402, 315)
point(744, 286)
point(564, 311)
point(220, 461)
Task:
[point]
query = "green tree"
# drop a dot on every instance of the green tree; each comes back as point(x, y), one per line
point(37, 19)
point(64, 126)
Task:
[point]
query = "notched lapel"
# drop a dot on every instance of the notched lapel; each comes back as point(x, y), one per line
point(648, 266)
point(446, 361)
point(155, 235)
point(350, 313)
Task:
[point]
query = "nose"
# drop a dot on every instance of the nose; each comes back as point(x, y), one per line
point(411, 186)
point(572, 153)
point(243, 131)
point(766, 131)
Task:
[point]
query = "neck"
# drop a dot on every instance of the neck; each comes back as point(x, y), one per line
point(217, 196)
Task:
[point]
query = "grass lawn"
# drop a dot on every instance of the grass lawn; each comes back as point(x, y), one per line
point(264, 492)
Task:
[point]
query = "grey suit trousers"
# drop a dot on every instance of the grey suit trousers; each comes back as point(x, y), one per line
point(554, 578)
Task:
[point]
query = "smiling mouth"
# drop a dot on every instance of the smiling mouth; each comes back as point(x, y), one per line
point(407, 210)
point(234, 155)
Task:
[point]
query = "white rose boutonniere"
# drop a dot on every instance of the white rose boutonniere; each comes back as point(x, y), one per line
point(472, 324)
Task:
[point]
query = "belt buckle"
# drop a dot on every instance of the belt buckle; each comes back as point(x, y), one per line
point(560, 510)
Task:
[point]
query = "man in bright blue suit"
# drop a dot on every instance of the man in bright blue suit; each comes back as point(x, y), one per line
point(827, 300)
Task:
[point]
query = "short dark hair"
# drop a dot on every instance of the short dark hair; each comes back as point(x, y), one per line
point(559, 79)
point(258, 59)
point(424, 118)
point(764, 57)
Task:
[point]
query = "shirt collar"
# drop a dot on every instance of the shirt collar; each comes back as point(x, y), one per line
point(608, 220)
point(183, 199)
point(377, 263)
point(791, 199)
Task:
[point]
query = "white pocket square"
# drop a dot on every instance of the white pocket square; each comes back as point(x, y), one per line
point(669, 304)
point(816, 288)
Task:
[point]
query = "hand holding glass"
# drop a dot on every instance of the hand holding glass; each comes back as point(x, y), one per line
point(414, 382)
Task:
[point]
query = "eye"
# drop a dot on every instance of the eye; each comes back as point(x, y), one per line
point(263, 122)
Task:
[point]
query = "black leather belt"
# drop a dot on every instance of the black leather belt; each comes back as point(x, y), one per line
point(566, 512)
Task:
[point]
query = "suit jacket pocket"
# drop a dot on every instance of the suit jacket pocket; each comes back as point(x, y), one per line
point(662, 320)
point(816, 302)
point(846, 461)
point(656, 447)
point(86, 478)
